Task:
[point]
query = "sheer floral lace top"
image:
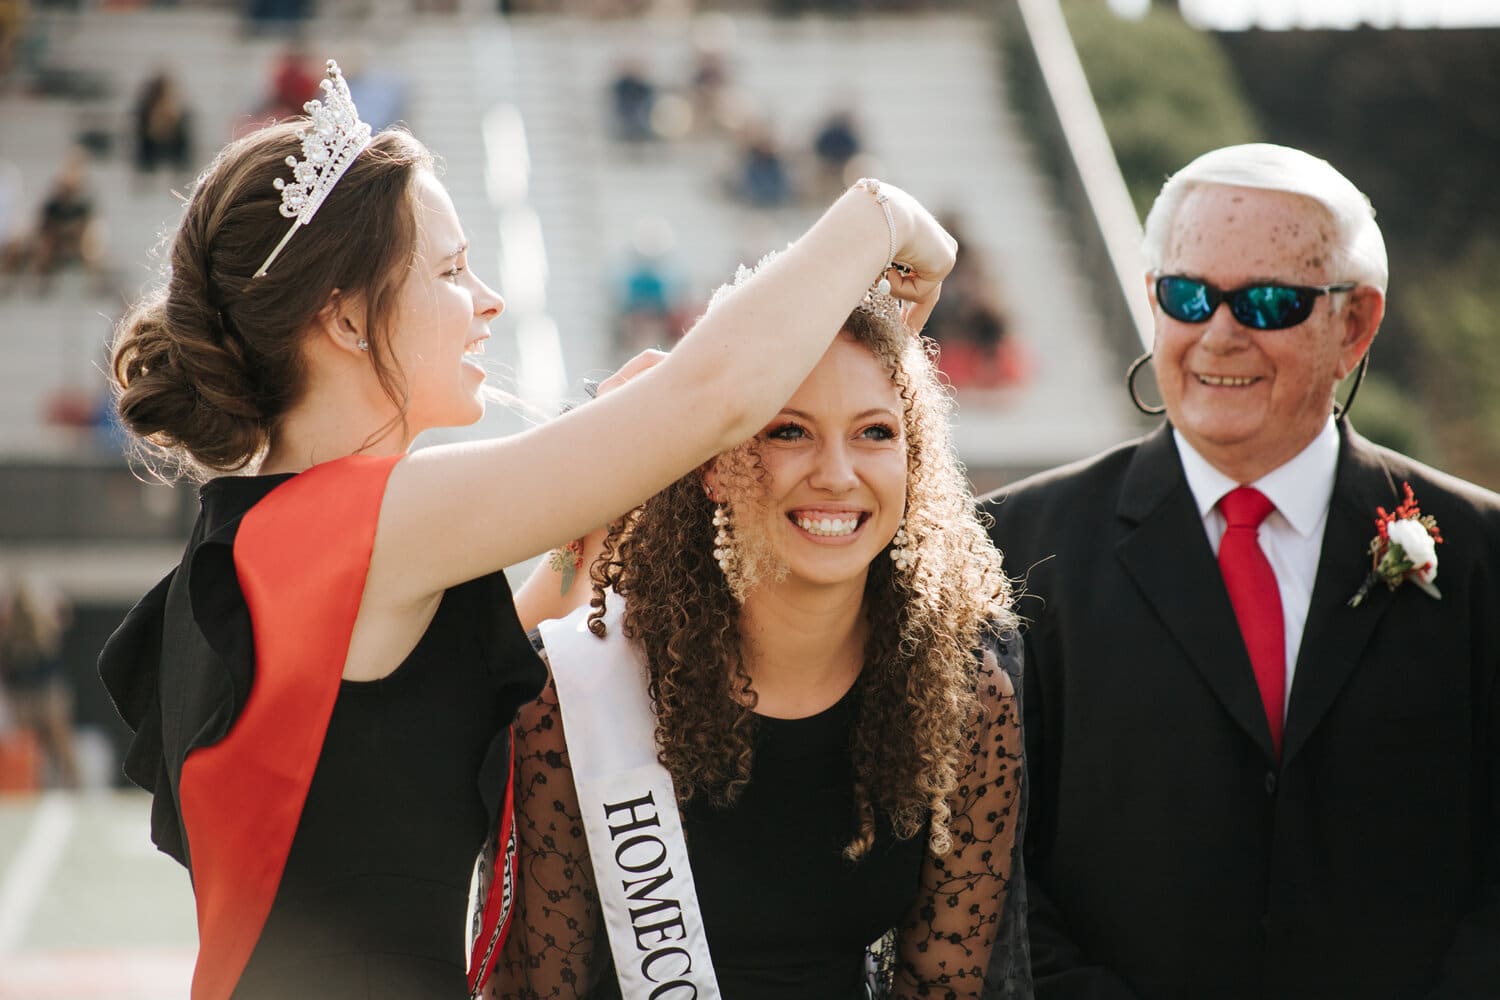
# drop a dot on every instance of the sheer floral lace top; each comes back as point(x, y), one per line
point(787, 917)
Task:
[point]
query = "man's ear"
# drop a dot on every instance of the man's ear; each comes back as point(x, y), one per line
point(710, 476)
point(1361, 321)
point(341, 322)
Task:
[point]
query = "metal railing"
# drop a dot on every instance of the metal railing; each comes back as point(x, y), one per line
point(1049, 82)
point(74, 502)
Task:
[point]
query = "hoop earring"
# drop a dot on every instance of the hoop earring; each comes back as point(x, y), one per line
point(1135, 397)
point(1342, 409)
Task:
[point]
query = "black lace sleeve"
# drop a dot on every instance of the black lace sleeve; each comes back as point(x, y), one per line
point(551, 948)
point(961, 915)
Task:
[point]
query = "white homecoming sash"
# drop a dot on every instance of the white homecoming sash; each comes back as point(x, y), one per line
point(630, 813)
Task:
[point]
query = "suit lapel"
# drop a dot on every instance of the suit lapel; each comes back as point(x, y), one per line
point(1335, 636)
point(1168, 556)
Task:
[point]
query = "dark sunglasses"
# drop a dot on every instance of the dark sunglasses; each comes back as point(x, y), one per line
point(1266, 306)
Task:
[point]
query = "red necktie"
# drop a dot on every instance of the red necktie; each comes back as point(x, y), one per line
point(1257, 602)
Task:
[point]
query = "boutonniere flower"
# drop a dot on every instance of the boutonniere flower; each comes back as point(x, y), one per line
point(1404, 548)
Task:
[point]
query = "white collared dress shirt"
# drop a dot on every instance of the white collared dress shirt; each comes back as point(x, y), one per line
point(1292, 535)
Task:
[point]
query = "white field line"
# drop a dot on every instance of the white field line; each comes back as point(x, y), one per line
point(31, 870)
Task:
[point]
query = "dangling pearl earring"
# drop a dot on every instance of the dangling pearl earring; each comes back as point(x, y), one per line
point(724, 553)
point(362, 344)
point(903, 552)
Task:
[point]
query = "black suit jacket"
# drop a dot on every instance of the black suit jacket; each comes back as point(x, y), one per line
point(1169, 855)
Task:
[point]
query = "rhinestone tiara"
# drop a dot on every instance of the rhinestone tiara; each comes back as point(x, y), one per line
point(881, 304)
point(334, 136)
point(875, 301)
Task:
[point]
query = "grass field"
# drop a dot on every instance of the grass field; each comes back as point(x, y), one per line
point(89, 910)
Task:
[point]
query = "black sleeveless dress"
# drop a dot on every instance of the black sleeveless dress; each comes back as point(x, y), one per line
point(373, 896)
point(786, 915)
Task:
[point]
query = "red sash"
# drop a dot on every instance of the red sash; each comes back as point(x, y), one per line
point(302, 555)
point(499, 904)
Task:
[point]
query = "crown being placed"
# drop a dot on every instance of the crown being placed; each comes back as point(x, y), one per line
point(332, 140)
point(881, 305)
point(875, 302)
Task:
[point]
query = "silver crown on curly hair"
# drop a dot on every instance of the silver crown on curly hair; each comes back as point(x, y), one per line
point(332, 140)
point(875, 302)
point(878, 303)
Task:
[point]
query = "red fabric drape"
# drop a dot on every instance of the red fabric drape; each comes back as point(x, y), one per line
point(301, 556)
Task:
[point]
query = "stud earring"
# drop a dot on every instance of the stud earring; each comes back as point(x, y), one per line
point(362, 344)
point(903, 551)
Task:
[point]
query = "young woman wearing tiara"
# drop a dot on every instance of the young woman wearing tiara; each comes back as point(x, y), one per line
point(787, 727)
point(317, 688)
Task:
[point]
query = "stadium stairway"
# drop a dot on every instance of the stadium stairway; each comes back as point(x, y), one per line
point(518, 108)
point(929, 95)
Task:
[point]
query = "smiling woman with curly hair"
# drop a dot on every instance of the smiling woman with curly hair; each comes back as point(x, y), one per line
point(830, 656)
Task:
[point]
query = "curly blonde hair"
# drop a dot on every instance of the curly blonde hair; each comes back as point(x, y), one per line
point(918, 703)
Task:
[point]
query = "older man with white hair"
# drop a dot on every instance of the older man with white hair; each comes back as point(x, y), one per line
point(1263, 672)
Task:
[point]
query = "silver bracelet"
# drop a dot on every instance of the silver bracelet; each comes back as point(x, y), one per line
point(882, 284)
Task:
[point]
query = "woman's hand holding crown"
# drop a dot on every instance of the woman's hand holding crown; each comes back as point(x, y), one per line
point(924, 250)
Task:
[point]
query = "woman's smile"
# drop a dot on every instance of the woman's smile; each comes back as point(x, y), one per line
point(825, 525)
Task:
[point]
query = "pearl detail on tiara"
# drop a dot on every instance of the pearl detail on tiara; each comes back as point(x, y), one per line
point(332, 140)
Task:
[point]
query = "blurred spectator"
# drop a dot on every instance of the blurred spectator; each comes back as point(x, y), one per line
point(275, 16)
point(161, 126)
point(835, 145)
point(971, 327)
point(10, 203)
point(32, 623)
point(20, 760)
point(89, 412)
point(763, 181)
point(633, 97)
point(720, 105)
point(97, 131)
point(67, 232)
point(293, 84)
point(650, 296)
point(379, 92)
point(12, 26)
point(708, 86)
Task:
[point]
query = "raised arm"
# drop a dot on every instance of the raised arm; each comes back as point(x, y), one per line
point(944, 948)
point(455, 512)
point(560, 581)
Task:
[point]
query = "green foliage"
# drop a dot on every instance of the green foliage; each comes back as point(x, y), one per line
point(1387, 415)
point(1455, 311)
point(1166, 91)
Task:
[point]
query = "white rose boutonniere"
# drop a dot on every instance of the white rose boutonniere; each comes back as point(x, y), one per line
point(1404, 548)
point(1417, 545)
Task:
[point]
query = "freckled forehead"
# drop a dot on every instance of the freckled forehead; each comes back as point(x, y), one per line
point(1230, 235)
